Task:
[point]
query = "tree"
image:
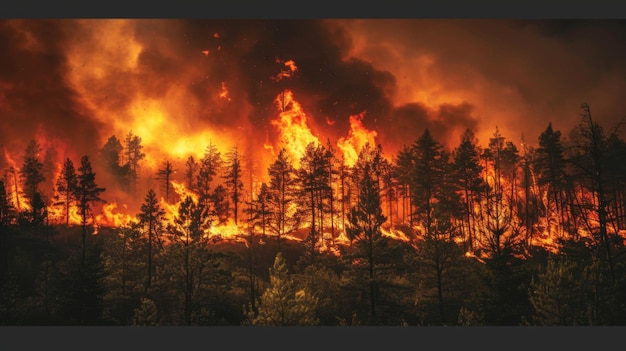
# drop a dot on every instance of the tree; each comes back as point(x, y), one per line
point(468, 178)
point(110, 157)
point(190, 173)
point(67, 184)
point(589, 157)
point(426, 178)
point(221, 205)
point(151, 219)
point(313, 180)
point(134, 156)
point(165, 174)
point(210, 166)
point(32, 175)
point(284, 303)
point(405, 164)
point(282, 189)
point(365, 219)
point(234, 181)
point(5, 206)
point(189, 251)
point(87, 193)
point(558, 294)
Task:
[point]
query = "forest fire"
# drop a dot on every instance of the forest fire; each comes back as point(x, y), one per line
point(170, 150)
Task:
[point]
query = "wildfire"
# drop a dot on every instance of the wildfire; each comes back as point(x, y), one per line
point(285, 73)
point(358, 137)
point(295, 134)
point(111, 217)
point(224, 92)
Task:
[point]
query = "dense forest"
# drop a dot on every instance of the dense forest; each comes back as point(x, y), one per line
point(505, 234)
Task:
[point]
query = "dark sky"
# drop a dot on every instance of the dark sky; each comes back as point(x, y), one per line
point(73, 83)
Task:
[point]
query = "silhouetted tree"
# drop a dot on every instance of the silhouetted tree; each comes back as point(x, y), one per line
point(134, 156)
point(233, 176)
point(189, 252)
point(365, 219)
point(151, 221)
point(67, 184)
point(165, 174)
point(468, 178)
point(87, 193)
point(110, 155)
point(313, 180)
point(190, 173)
point(210, 166)
point(282, 188)
point(32, 175)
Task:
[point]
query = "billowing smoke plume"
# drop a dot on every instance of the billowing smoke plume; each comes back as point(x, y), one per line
point(179, 84)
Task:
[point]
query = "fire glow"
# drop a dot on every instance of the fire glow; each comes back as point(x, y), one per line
point(206, 93)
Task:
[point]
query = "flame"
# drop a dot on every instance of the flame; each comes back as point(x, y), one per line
point(294, 131)
point(224, 92)
point(291, 68)
point(395, 234)
point(13, 184)
point(111, 217)
point(205, 52)
point(358, 137)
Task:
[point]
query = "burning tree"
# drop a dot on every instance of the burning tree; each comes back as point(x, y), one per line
point(365, 219)
point(87, 194)
point(151, 223)
point(165, 174)
point(67, 184)
point(32, 175)
point(233, 176)
point(111, 159)
point(468, 178)
point(313, 179)
point(283, 197)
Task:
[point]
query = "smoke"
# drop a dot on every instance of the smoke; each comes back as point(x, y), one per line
point(179, 84)
point(516, 75)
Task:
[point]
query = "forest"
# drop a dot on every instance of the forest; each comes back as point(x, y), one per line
point(508, 234)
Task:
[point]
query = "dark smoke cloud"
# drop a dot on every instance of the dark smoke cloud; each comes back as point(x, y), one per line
point(35, 99)
point(518, 75)
point(407, 75)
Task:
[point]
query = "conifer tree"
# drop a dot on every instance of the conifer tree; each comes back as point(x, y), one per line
point(284, 303)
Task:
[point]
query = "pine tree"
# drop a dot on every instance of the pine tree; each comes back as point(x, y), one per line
point(282, 191)
point(189, 251)
point(190, 173)
point(313, 180)
point(165, 174)
point(467, 172)
point(234, 181)
point(151, 220)
point(134, 156)
point(365, 219)
point(111, 159)
point(67, 184)
point(87, 193)
point(427, 174)
point(210, 166)
point(32, 175)
point(284, 303)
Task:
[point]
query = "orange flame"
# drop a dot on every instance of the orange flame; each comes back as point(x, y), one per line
point(111, 217)
point(224, 92)
point(295, 134)
point(285, 73)
point(358, 137)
